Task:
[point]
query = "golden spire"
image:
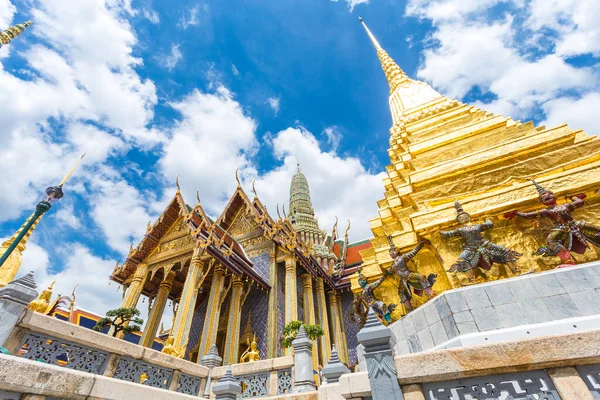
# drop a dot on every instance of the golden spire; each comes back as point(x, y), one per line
point(12, 265)
point(393, 73)
point(66, 178)
point(9, 34)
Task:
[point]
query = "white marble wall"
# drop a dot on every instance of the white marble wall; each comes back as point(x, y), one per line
point(552, 300)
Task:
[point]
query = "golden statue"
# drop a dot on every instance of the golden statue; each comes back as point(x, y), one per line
point(172, 350)
point(143, 377)
point(251, 354)
point(42, 303)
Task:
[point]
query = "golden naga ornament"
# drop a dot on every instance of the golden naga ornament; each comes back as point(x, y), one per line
point(251, 354)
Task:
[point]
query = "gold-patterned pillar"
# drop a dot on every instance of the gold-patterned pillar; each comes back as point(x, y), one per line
point(187, 301)
point(211, 320)
point(273, 318)
point(337, 326)
point(134, 291)
point(309, 317)
point(340, 314)
point(157, 310)
point(232, 341)
point(324, 321)
point(291, 294)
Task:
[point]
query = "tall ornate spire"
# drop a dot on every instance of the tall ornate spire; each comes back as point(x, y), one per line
point(9, 34)
point(393, 73)
point(13, 263)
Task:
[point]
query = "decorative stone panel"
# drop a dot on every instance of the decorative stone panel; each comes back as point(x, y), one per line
point(141, 372)
point(40, 347)
point(188, 384)
point(284, 381)
point(591, 377)
point(522, 385)
point(256, 385)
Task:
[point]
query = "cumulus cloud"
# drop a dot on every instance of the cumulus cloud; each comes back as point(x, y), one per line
point(472, 47)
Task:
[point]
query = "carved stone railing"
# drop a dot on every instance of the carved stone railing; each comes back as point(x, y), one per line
point(41, 338)
point(262, 378)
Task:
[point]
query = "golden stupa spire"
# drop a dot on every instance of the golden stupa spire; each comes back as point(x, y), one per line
point(13, 263)
point(9, 34)
point(393, 73)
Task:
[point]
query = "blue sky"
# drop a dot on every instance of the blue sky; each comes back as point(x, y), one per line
point(155, 89)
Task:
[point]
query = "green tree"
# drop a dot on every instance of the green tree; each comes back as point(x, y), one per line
point(122, 319)
point(291, 329)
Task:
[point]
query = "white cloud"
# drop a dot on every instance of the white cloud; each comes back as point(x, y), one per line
point(353, 3)
point(334, 182)
point(151, 15)
point(66, 215)
point(274, 103)
point(470, 47)
point(186, 22)
point(7, 11)
point(234, 70)
point(334, 136)
point(580, 113)
point(171, 60)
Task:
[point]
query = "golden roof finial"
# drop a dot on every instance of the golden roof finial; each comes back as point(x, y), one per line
point(254, 189)
point(237, 177)
point(393, 73)
point(71, 171)
point(177, 184)
point(371, 36)
point(198, 197)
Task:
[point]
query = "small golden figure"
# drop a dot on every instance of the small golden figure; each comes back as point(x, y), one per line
point(251, 354)
point(143, 377)
point(42, 303)
point(172, 350)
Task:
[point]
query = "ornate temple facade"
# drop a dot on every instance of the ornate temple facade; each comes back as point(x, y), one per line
point(242, 275)
point(442, 150)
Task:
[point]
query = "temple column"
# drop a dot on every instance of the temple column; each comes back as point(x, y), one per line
point(324, 321)
point(309, 317)
point(337, 325)
point(187, 301)
point(291, 294)
point(232, 341)
point(340, 314)
point(134, 291)
point(157, 310)
point(273, 318)
point(211, 320)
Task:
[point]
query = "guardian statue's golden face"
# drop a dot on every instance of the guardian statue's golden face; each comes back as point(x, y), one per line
point(548, 199)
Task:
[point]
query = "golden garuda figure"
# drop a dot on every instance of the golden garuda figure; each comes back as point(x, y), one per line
point(477, 251)
point(251, 354)
point(567, 235)
point(410, 281)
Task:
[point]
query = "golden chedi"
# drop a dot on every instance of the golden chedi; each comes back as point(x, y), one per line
point(442, 150)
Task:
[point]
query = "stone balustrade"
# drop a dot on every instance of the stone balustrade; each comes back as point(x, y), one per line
point(262, 378)
point(39, 337)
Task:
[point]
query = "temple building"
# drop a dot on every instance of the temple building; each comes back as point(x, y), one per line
point(442, 150)
point(242, 275)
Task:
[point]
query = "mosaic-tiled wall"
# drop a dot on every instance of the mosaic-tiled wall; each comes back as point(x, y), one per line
point(299, 293)
point(196, 328)
point(351, 328)
point(261, 266)
point(281, 302)
point(258, 302)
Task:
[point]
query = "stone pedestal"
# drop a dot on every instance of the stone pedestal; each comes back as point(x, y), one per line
point(14, 298)
point(375, 337)
point(210, 360)
point(303, 371)
point(334, 368)
point(227, 388)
